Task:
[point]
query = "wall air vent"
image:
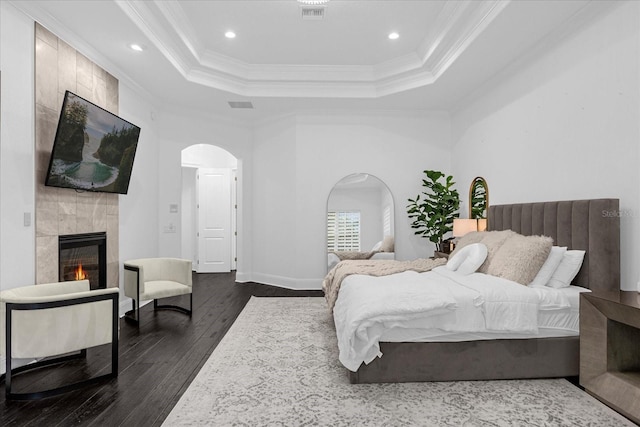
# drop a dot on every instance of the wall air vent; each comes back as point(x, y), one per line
point(240, 104)
point(313, 12)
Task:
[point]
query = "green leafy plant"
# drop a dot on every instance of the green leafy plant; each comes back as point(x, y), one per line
point(433, 213)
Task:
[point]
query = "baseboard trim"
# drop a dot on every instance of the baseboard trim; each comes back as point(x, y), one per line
point(282, 281)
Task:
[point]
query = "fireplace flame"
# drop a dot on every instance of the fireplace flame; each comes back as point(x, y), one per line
point(80, 273)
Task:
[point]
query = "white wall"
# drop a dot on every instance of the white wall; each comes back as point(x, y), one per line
point(298, 160)
point(138, 208)
point(563, 124)
point(138, 215)
point(275, 204)
point(17, 175)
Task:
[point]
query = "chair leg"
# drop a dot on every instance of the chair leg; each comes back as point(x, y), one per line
point(135, 302)
point(188, 311)
point(115, 340)
point(133, 316)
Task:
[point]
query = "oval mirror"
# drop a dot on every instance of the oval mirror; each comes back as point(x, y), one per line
point(360, 220)
point(478, 198)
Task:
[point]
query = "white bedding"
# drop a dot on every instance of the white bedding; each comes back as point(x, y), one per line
point(442, 305)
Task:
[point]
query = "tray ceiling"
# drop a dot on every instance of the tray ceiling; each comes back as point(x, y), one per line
point(281, 62)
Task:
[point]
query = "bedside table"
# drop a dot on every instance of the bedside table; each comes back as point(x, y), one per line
point(609, 349)
point(437, 254)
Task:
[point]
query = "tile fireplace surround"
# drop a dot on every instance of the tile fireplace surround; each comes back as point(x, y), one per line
point(62, 211)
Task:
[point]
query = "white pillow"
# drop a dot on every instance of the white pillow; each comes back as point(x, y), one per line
point(468, 259)
point(387, 244)
point(567, 270)
point(377, 246)
point(549, 267)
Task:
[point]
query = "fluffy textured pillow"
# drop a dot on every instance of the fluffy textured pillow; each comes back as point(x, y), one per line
point(494, 240)
point(468, 259)
point(567, 270)
point(520, 258)
point(549, 267)
point(387, 244)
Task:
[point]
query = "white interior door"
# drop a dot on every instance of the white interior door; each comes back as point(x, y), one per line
point(214, 220)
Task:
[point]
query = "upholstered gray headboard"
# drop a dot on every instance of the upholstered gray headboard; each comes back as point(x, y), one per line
point(590, 225)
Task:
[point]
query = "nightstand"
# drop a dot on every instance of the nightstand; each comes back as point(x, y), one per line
point(437, 254)
point(609, 349)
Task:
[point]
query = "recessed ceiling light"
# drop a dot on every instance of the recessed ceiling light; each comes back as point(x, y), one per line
point(230, 35)
point(136, 47)
point(394, 36)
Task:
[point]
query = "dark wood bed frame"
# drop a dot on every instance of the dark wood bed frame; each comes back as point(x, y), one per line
point(590, 225)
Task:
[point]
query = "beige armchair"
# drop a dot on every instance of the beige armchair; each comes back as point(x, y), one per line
point(51, 321)
point(154, 278)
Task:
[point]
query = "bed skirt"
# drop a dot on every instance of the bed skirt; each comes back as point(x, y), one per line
point(472, 360)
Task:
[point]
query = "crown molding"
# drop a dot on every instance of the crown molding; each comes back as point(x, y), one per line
point(157, 30)
point(60, 30)
point(177, 19)
point(169, 29)
point(469, 27)
point(78, 43)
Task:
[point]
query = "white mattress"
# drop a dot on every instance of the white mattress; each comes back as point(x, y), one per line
point(563, 322)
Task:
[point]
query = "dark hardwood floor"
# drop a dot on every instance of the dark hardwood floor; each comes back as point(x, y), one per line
point(157, 362)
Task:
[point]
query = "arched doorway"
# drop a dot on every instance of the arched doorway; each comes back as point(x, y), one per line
point(209, 208)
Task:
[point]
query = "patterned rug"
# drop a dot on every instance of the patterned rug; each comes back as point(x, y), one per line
point(278, 366)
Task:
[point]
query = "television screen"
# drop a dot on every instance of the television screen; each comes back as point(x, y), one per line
point(93, 149)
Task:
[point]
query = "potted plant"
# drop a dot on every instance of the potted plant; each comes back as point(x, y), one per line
point(433, 214)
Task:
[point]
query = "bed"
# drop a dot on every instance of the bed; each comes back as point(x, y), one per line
point(589, 225)
point(334, 258)
point(381, 250)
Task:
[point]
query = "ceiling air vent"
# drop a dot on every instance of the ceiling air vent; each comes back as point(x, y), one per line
point(313, 12)
point(240, 104)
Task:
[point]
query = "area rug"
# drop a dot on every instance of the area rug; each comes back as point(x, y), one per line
point(278, 366)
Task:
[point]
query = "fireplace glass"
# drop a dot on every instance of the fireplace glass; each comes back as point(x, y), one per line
point(83, 256)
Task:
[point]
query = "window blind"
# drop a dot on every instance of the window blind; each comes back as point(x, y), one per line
point(343, 231)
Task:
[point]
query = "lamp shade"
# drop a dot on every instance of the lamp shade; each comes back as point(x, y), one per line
point(482, 224)
point(464, 226)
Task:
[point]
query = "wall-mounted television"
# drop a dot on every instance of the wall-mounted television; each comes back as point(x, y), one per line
point(93, 149)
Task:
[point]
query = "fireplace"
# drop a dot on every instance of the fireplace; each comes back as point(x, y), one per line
point(84, 256)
